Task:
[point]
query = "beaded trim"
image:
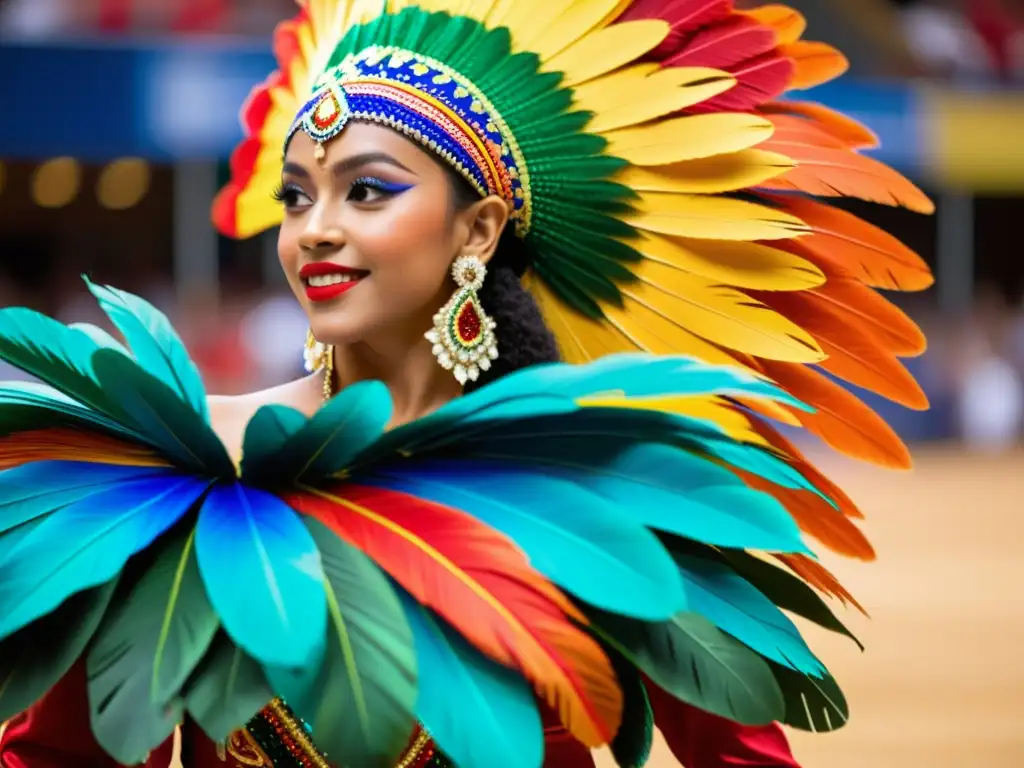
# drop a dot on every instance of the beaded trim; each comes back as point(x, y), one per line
point(278, 738)
point(430, 103)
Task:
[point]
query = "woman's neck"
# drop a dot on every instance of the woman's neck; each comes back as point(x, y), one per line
point(418, 385)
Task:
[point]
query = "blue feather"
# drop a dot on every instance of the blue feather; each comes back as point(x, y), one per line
point(599, 552)
point(36, 489)
point(478, 712)
point(735, 606)
point(154, 343)
point(87, 543)
point(264, 575)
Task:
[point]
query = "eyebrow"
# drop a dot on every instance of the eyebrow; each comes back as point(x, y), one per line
point(347, 165)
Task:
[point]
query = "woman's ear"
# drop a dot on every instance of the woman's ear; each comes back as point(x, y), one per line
point(485, 220)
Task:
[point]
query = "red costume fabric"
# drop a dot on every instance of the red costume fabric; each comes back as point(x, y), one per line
point(55, 734)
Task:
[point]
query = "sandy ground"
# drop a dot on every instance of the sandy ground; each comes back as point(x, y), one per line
point(941, 684)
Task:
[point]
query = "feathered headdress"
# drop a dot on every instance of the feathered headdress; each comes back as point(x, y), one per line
point(665, 189)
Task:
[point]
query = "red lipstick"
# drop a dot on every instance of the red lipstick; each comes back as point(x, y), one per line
point(325, 281)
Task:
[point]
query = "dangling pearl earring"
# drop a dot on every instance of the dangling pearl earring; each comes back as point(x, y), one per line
point(463, 335)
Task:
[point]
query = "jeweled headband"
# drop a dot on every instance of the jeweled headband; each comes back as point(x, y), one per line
point(431, 104)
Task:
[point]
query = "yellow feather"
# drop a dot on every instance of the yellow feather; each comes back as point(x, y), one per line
point(575, 22)
point(722, 316)
point(710, 218)
point(617, 11)
point(709, 175)
point(650, 330)
point(737, 263)
point(256, 209)
point(606, 50)
point(495, 15)
point(580, 339)
point(527, 19)
point(661, 94)
point(688, 138)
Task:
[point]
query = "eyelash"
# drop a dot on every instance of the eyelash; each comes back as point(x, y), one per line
point(286, 193)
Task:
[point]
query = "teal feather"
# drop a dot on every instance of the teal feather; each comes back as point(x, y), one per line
point(227, 690)
point(86, 544)
point(100, 337)
point(30, 405)
point(599, 552)
point(730, 602)
point(154, 343)
point(478, 712)
point(166, 421)
point(366, 692)
point(328, 442)
point(36, 658)
point(697, 663)
point(264, 575)
point(786, 591)
point(34, 490)
point(149, 644)
point(266, 436)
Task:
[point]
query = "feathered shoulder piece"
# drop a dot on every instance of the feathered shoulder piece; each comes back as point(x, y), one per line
point(674, 194)
point(532, 541)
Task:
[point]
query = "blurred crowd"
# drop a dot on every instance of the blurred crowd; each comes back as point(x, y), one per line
point(965, 39)
point(973, 371)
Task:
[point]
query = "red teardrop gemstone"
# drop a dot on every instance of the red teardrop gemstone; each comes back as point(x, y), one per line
point(468, 323)
point(327, 112)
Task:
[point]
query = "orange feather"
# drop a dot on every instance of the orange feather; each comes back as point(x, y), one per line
point(73, 445)
point(828, 171)
point(787, 24)
point(868, 253)
point(841, 307)
point(837, 125)
point(841, 419)
point(484, 586)
point(814, 63)
point(819, 577)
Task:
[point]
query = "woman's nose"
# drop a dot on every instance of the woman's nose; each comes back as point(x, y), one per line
point(322, 232)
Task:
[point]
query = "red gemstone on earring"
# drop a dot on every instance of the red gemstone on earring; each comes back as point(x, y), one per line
point(468, 323)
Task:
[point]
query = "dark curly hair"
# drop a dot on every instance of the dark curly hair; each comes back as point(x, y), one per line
point(523, 338)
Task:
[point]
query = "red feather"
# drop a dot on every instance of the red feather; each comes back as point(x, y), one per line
point(482, 585)
point(759, 80)
point(699, 739)
point(729, 44)
point(684, 17)
point(860, 249)
point(73, 445)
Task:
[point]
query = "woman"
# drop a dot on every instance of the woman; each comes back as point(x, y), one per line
point(436, 164)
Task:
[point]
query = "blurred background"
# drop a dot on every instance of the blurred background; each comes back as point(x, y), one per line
point(116, 121)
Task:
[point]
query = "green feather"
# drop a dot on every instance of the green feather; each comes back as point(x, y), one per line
point(813, 704)
point(266, 434)
point(366, 695)
point(167, 422)
point(154, 343)
point(33, 660)
point(631, 746)
point(786, 591)
point(28, 405)
point(146, 649)
point(697, 663)
point(227, 691)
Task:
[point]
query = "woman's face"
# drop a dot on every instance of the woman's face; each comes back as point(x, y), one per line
point(368, 235)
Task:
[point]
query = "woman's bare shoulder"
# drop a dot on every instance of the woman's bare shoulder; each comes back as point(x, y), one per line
point(229, 414)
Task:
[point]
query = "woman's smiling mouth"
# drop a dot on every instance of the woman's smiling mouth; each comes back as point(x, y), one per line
point(325, 281)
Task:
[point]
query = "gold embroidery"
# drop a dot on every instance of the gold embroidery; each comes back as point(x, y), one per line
point(244, 749)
